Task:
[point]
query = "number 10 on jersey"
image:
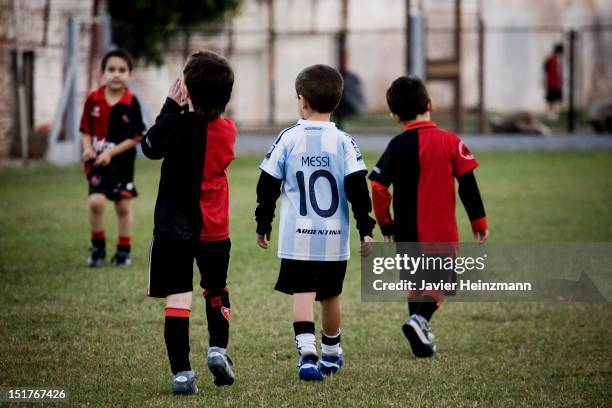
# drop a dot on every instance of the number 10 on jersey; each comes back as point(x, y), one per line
point(333, 207)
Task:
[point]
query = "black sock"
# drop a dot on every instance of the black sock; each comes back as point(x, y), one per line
point(98, 239)
point(176, 334)
point(330, 345)
point(305, 341)
point(98, 243)
point(427, 307)
point(218, 315)
point(330, 341)
point(413, 306)
point(303, 328)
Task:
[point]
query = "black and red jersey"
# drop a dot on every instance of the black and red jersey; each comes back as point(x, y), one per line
point(422, 164)
point(110, 125)
point(193, 197)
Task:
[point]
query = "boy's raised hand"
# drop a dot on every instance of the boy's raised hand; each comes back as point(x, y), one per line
point(177, 93)
point(366, 246)
point(481, 236)
point(262, 240)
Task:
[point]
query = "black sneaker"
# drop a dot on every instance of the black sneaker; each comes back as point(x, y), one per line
point(121, 259)
point(96, 256)
point(220, 366)
point(422, 340)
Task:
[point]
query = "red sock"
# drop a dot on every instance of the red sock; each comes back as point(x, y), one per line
point(98, 239)
point(124, 243)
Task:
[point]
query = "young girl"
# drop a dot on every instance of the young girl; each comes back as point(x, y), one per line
point(111, 126)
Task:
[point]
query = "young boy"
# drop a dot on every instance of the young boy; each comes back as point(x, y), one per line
point(112, 126)
point(422, 164)
point(318, 168)
point(191, 213)
point(553, 81)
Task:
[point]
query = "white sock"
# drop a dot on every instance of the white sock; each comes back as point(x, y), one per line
point(306, 344)
point(333, 350)
point(218, 350)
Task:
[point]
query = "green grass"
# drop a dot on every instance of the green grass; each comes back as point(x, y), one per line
point(381, 122)
point(95, 333)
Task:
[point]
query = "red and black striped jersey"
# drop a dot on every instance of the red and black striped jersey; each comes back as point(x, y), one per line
point(109, 125)
point(193, 197)
point(422, 164)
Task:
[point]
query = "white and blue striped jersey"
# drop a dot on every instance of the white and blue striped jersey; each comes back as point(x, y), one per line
point(312, 158)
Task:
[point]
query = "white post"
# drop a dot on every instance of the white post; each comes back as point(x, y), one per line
point(417, 39)
point(69, 150)
point(72, 116)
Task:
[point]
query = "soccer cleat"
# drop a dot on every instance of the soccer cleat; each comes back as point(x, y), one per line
point(121, 259)
point(96, 256)
point(184, 383)
point(422, 340)
point(330, 364)
point(308, 370)
point(220, 365)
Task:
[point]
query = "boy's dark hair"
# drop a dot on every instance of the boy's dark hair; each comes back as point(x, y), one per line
point(209, 80)
point(321, 85)
point(407, 97)
point(558, 48)
point(120, 53)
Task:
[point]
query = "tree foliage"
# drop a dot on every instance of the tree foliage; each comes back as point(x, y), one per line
point(145, 27)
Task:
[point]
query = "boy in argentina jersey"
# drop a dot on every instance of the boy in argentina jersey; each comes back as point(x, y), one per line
point(317, 169)
point(312, 158)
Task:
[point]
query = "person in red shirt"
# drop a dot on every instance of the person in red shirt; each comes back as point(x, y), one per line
point(422, 164)
point(112, 126)
point(192, 212)
point(553, 81)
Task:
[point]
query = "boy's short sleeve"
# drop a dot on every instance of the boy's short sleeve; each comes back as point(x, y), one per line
point(274, 162)
point(138, 126)
point(353, 159)
point(463, 159)
point(383, 172)
point(85, 125)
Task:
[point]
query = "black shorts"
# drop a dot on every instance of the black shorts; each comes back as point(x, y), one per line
point(108, 181)
point(323, 277)
point(554, 95)
point(171, 265)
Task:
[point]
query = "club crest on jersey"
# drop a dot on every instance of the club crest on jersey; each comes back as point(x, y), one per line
point(357, 151)
point(465, 152)
point(226, 312)
point(95, 180)
point(125, 118)
point(95, 112)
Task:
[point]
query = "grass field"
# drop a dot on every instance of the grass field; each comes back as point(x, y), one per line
point(95, 333)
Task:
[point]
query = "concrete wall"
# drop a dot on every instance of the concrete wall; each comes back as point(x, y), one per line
point(376, 45)
point(48, 58)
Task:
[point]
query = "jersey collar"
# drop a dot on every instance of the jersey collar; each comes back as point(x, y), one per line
point(126, 98)
point(316, 123)
point(420, 125)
